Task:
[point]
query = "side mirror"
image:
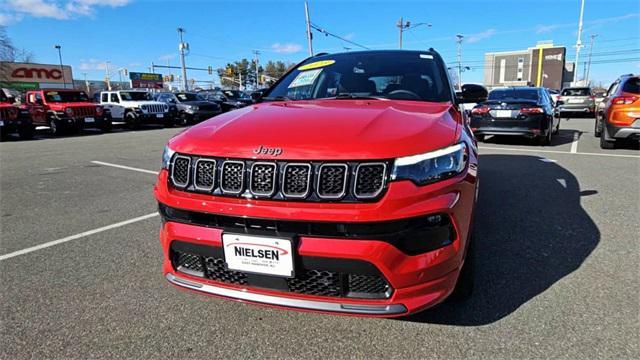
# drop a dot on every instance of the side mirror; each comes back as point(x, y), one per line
point(472, 93)
point(257, 95)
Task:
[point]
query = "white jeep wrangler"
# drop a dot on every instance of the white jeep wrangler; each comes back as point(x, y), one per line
point(135, 107)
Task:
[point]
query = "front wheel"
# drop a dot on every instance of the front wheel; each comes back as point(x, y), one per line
point(466, 279)
point(55, 127)
point(132, 121)
point(480, 138)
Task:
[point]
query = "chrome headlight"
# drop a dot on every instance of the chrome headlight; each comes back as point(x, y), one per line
point(167, 154)
point(433, 166)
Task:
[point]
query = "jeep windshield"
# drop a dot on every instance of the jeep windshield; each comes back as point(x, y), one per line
point(65, 96)
point(134, 96)
point(405, 75)
point(188, 97)
point(235, 94)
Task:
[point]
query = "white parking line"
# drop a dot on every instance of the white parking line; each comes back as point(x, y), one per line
point(125, 167)
point(76, 236)
point(557, 152)
point(574, 144)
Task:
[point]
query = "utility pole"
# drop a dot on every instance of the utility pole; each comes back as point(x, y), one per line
point(459, 38)
point(586, 76)
point(578, 44)
point(309, 36)
point(401, 25)
point(108, 73)
point(86, 82)
point(64, 81)
point(182, 48)
point(257, 53)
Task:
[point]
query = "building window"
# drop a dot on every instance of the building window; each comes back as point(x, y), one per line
point(503, 66)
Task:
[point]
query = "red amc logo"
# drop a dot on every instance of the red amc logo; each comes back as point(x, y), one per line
point(36, 73)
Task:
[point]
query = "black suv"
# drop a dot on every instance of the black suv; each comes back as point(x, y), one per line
point(228, 99)
point(191, 107)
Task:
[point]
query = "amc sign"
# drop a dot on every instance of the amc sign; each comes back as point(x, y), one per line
point(39, 73)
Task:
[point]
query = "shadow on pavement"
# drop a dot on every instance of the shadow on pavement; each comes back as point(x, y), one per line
point(563, 137)
point(530, 232)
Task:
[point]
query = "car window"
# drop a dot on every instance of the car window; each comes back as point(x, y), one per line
point(513, 94)
point(114, 98)
point(105, 97)
point(394, 75)
point(576, 92)
point(632, 85)
point(134, 96)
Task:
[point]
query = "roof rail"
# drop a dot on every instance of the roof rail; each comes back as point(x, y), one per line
point(320, 54)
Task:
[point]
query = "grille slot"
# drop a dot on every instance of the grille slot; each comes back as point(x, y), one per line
point(309, 281)
point(369, 179)
point(205, 174)
point(263, 179)
point(232, 177)
point(332, 181)
point(296, 180)
point(180, 170)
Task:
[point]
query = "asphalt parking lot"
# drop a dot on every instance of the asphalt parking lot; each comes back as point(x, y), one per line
point(557, 270)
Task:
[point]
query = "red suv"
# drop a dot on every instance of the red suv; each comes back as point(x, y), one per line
point(349, 187)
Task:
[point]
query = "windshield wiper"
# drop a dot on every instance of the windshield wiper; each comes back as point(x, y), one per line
point(351, 96)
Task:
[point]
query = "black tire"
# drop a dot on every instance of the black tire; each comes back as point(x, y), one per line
point(597, 129)
point(557, 129)
point(545, 140)
point(27, 132)
point(133, 123)
point(604, 143)
point(466, 279)
point(480, 138)
point(3, 134)
point(55, 128)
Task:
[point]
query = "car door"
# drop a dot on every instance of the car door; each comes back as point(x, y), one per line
point(117, 110)
point(36, 109)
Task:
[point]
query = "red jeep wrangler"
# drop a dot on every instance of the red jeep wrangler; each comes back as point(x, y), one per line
point(70, 110)
point(13, 119)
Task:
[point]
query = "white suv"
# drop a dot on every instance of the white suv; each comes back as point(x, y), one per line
point(135, 107)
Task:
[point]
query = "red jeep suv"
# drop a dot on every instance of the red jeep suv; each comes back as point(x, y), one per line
point(349, 187)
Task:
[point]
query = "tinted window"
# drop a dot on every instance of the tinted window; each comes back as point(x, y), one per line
point(66, 96)
point(105, 97)
point(394, 75)
point(632, 86)
point(114, 97)
point(514, 94)
point(187, 97)
point(576, 92)
point(134, 96)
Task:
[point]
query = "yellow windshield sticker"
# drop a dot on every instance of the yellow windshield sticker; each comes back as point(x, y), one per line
point(317, 64)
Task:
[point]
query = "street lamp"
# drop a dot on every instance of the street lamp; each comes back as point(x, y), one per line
point(404, 26)
point(64, 81)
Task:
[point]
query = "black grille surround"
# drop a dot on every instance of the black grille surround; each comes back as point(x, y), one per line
point(315, 181)
point(314, 275)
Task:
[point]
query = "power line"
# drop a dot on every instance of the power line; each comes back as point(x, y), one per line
point(327, 33)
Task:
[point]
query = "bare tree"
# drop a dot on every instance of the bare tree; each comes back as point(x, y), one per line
point(7, 50)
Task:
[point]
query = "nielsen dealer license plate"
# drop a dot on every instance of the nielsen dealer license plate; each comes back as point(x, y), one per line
point(89, 120)
point(159, 116)
point(258, 255)
point(503, 113)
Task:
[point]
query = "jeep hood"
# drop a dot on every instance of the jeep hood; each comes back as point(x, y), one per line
point(324, 129)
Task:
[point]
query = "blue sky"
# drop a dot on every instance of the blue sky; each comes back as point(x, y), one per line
point(134, 33)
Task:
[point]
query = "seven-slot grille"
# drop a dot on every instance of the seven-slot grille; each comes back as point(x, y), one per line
point(84, 111)
point(155, 108)
point(281, 180)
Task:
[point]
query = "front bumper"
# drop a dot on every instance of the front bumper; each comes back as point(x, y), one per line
point(588, 109)
point(418, 281)
point(146, 118)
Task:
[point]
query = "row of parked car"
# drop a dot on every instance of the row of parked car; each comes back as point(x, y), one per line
point(535, 112)
point(68, 111)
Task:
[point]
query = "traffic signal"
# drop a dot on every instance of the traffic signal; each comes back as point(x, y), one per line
point(126, 72)
point(210, 70)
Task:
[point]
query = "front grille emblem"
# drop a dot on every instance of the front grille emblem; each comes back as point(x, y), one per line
point(263, 150)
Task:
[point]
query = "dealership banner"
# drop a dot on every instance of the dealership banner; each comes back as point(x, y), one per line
point(145, 80)
point(29, 75)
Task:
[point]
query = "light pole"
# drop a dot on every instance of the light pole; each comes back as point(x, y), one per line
point(459, 38)
point(578, 44)
point(257, 53)
point(308, 22)
point(407, 26)
point(586, 76)
point(64, 81)
point(183, 46)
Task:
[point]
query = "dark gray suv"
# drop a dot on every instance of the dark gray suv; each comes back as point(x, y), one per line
point(191, 107)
